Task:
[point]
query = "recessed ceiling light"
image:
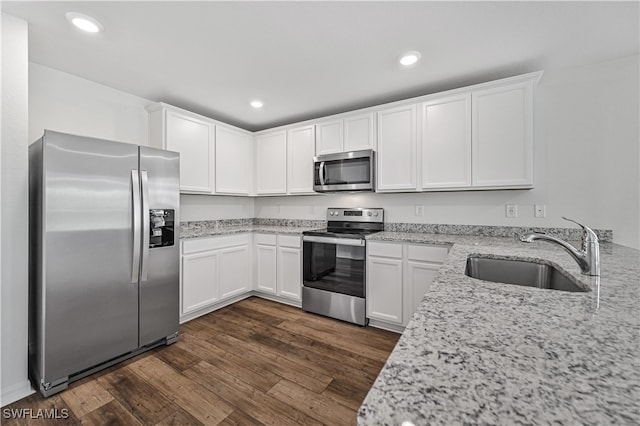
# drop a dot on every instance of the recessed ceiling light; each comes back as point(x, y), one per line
point(410, 58)
point(84, 22)
point(256, 104)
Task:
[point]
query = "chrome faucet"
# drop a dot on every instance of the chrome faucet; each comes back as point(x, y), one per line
point(588, 258)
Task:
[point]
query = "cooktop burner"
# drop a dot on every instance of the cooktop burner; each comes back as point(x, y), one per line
point(350, 223)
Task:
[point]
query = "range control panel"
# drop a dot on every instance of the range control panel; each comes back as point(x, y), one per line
point(355, 214)
point(161, 228)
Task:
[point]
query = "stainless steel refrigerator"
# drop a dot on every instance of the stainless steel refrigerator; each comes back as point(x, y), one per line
point(104, 256)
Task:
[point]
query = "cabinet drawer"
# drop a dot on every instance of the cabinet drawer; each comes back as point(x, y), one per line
point(426, 253)
point(214, 243)
point(266, 239)
point(385, 249)
point(292, 241)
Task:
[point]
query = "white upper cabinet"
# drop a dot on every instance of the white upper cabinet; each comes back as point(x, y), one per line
point(190, 136)
point(300, 149)
point(352, 133)
point(329, 137)
point(359, 132)
point(234, 165)
point(271, 163)
point(502, 135)
point(397, 149)
point(446, 142)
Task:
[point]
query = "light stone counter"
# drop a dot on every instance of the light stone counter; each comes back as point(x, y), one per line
point(212, 228)
point(477, 352)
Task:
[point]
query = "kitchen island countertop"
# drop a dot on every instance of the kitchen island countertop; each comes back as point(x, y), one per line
point(477, 352)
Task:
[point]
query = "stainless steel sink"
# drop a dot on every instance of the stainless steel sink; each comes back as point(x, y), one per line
point(519, 272)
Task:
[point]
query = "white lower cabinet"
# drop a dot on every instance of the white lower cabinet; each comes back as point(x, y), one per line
point(199, 283)
point(384, 289)
point(214, 269)
point(279, 265)
point(265, 254)
point(235, 276)
point(419, 276)
point(398, 276)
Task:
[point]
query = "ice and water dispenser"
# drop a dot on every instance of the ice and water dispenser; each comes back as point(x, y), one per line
point(162, 227)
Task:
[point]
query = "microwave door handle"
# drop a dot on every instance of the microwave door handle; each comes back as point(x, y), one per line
point(321, 171)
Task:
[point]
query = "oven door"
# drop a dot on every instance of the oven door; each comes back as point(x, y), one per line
point(336, 265)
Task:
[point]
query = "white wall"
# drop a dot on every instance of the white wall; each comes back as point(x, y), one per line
point(69, 104)
point(587, 163)
point(207, 207)
point(14, 216)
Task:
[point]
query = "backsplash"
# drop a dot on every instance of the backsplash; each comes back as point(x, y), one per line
point(571, 234)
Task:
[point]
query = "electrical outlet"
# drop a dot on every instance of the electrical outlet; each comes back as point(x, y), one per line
point(419, 210)
point(511, 210)
point(539, 210)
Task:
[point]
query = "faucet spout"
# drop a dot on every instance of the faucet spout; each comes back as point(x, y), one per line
point(588, 258)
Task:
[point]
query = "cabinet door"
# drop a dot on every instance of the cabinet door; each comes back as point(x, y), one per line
point(419, 277)
point(193, 139)
point(300, 160)
point(502, 136)
point(235, 277)
point(199, 280)
point(397, 149)
point(289, 273)
point(446, 142)
point(384, 289)
point(266, 268)
point(359, 132)
point(233, 161)
point(271, 159)
point(329, 137)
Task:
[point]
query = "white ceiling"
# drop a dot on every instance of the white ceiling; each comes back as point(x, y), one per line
point(309, 59)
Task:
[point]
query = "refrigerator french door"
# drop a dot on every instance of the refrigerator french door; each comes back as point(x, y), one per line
point(104, 256)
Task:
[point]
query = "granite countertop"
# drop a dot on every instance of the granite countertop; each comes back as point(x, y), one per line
point(477, 352)
point(187, 234)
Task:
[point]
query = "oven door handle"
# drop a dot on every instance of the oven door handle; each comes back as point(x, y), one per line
point(337, 241)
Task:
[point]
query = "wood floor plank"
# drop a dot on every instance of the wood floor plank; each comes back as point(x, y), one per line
point(110, 414)
point(255, 403)
point(311, 353)
point(242, 368)
point(179, 418)
point(256, 362)
point(275, 362)
point(137, 396)
point(317, 406)
point(238, 418)
point(202, 404)
point(367, 336)
point(345, 392)
point(25, 412)
point(338, 340)
point(85, 397)
point(177, 356)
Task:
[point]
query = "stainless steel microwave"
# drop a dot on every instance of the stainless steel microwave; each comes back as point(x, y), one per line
point(345, 171)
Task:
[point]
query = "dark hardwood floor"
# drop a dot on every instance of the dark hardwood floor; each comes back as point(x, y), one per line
point(254, 362)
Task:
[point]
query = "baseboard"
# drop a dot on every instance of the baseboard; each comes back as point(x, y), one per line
point(283, 300)
point(214, 307)
point(386, 326)
point(15, 392)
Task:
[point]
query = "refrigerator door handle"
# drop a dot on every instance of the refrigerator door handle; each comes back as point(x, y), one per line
point(145, 225)
point(135, 218)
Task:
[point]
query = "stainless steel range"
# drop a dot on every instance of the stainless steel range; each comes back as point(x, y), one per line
point(334, 264)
